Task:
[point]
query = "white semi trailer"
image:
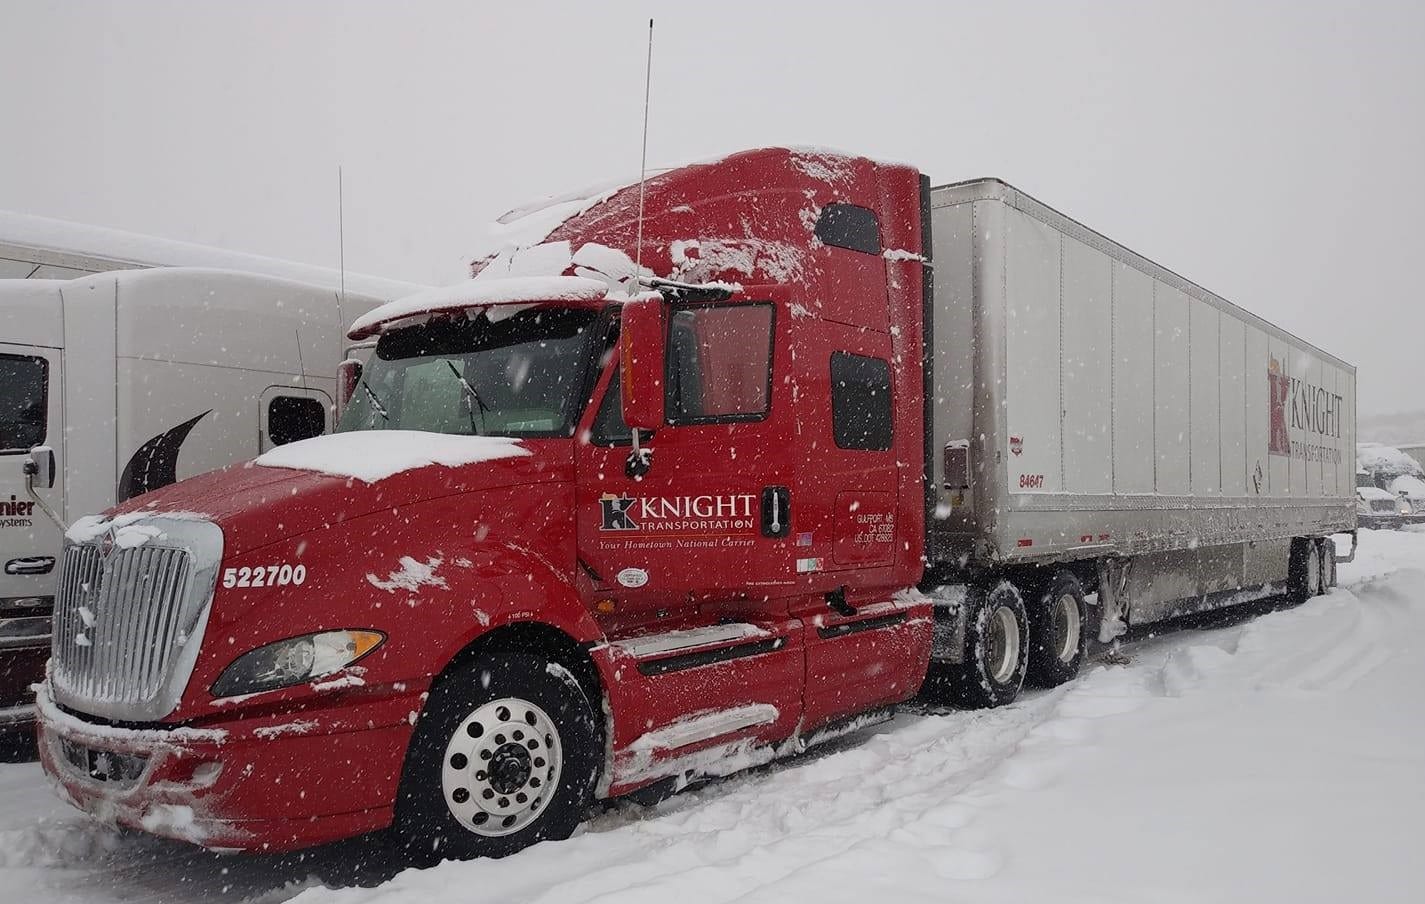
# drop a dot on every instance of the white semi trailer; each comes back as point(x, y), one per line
point(1098, 419)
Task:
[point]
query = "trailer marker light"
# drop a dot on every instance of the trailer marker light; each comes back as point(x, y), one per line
point(1025, 541)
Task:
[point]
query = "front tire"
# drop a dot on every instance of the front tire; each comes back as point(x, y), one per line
point(1058, 637)
point(996, 649)
point(505, 755)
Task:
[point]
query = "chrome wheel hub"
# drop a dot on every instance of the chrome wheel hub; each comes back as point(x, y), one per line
point(1002, 645)
point(502, 766)
point(1068, 627)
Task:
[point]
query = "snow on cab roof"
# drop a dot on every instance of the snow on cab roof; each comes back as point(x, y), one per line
point(475, 293)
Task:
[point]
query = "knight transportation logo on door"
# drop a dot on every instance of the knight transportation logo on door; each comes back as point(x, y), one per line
point(676, 522)
point(1296, 405)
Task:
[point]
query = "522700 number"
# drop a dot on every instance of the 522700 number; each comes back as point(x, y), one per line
point(264, 576)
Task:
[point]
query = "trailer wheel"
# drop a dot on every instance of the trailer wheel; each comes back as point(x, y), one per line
point(1327, 549)
point(996, 649)
point(505, 755)
point(1303, 570)
point(1057, 633)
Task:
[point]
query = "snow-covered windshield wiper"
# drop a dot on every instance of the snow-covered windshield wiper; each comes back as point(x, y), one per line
point(376, 406)
point(472, 398)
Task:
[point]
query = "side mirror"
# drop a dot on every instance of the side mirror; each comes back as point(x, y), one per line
point(642, 345)
point(348, 375)
point(40, 467)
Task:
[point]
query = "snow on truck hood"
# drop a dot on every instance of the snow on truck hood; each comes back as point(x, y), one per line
point(372, 455)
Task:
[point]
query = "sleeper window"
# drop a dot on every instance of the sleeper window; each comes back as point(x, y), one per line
point(860, 401)
point(290, 418)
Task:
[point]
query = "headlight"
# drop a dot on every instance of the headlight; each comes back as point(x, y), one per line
point(1403, 507)
point(294, 661)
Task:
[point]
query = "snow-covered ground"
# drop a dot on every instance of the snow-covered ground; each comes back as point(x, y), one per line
point(1262, 758)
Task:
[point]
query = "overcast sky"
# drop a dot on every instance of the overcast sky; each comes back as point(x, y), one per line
point(1273, 152)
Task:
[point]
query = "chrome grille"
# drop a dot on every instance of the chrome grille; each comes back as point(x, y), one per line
point(123, 621)
point(1383, 505)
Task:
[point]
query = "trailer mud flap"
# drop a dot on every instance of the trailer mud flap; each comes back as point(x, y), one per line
point(1351, 556)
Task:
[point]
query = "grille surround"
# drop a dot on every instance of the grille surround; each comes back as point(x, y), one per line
point(129, 619)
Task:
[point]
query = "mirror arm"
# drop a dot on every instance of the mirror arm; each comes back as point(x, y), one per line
point(32, 470)
point(640, 460)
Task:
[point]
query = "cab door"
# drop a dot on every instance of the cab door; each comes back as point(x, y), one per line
point(30, 543)
point(692, 563)
point(712, 518)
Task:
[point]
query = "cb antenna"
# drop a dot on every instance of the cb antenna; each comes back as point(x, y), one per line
point(643, 165)
point(640, 460)
point(340, 245)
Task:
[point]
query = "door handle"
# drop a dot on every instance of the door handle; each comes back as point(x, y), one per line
point(776, 511)
point(31, 565)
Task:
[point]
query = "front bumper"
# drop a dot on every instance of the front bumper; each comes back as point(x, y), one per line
point(1379, 521)
point(273, 782)
point(20, 668)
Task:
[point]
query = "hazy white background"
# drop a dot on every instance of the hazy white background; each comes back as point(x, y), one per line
point(1274, 152)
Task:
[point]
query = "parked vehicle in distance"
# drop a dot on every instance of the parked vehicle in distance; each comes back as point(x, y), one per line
point(1380, 510)
point(587, 529)
point(127, 381)
point(1400, 475)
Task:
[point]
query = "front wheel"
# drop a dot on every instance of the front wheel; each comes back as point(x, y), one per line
point(504, 756)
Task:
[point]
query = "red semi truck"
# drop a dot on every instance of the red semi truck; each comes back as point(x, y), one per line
point(587, 528)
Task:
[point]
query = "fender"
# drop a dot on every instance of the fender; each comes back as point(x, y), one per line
point(505, 584)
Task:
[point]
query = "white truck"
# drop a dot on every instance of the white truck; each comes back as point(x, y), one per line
point(130, 380)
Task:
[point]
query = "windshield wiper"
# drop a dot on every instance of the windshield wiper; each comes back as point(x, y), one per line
point(472, 395)
point(376, 406)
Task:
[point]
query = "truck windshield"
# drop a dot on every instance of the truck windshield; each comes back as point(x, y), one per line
point(522, 374)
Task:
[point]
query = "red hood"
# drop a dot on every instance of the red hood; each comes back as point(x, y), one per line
point(256, 505)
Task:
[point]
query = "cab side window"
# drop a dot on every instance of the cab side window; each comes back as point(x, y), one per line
point(719, 363)
point(24, 398)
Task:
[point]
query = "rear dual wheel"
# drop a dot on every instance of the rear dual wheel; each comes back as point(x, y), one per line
point(1058, 626)
point(1304, 570)
point(996, 650)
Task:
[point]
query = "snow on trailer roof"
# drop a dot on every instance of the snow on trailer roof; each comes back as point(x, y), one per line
point(477, 293)
point(98, 249)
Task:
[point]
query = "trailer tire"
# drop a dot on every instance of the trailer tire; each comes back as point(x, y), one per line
point(517, 713)
point(996, 649)
point(1058, 634)
point(1303, 570)
point(1328, 565)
